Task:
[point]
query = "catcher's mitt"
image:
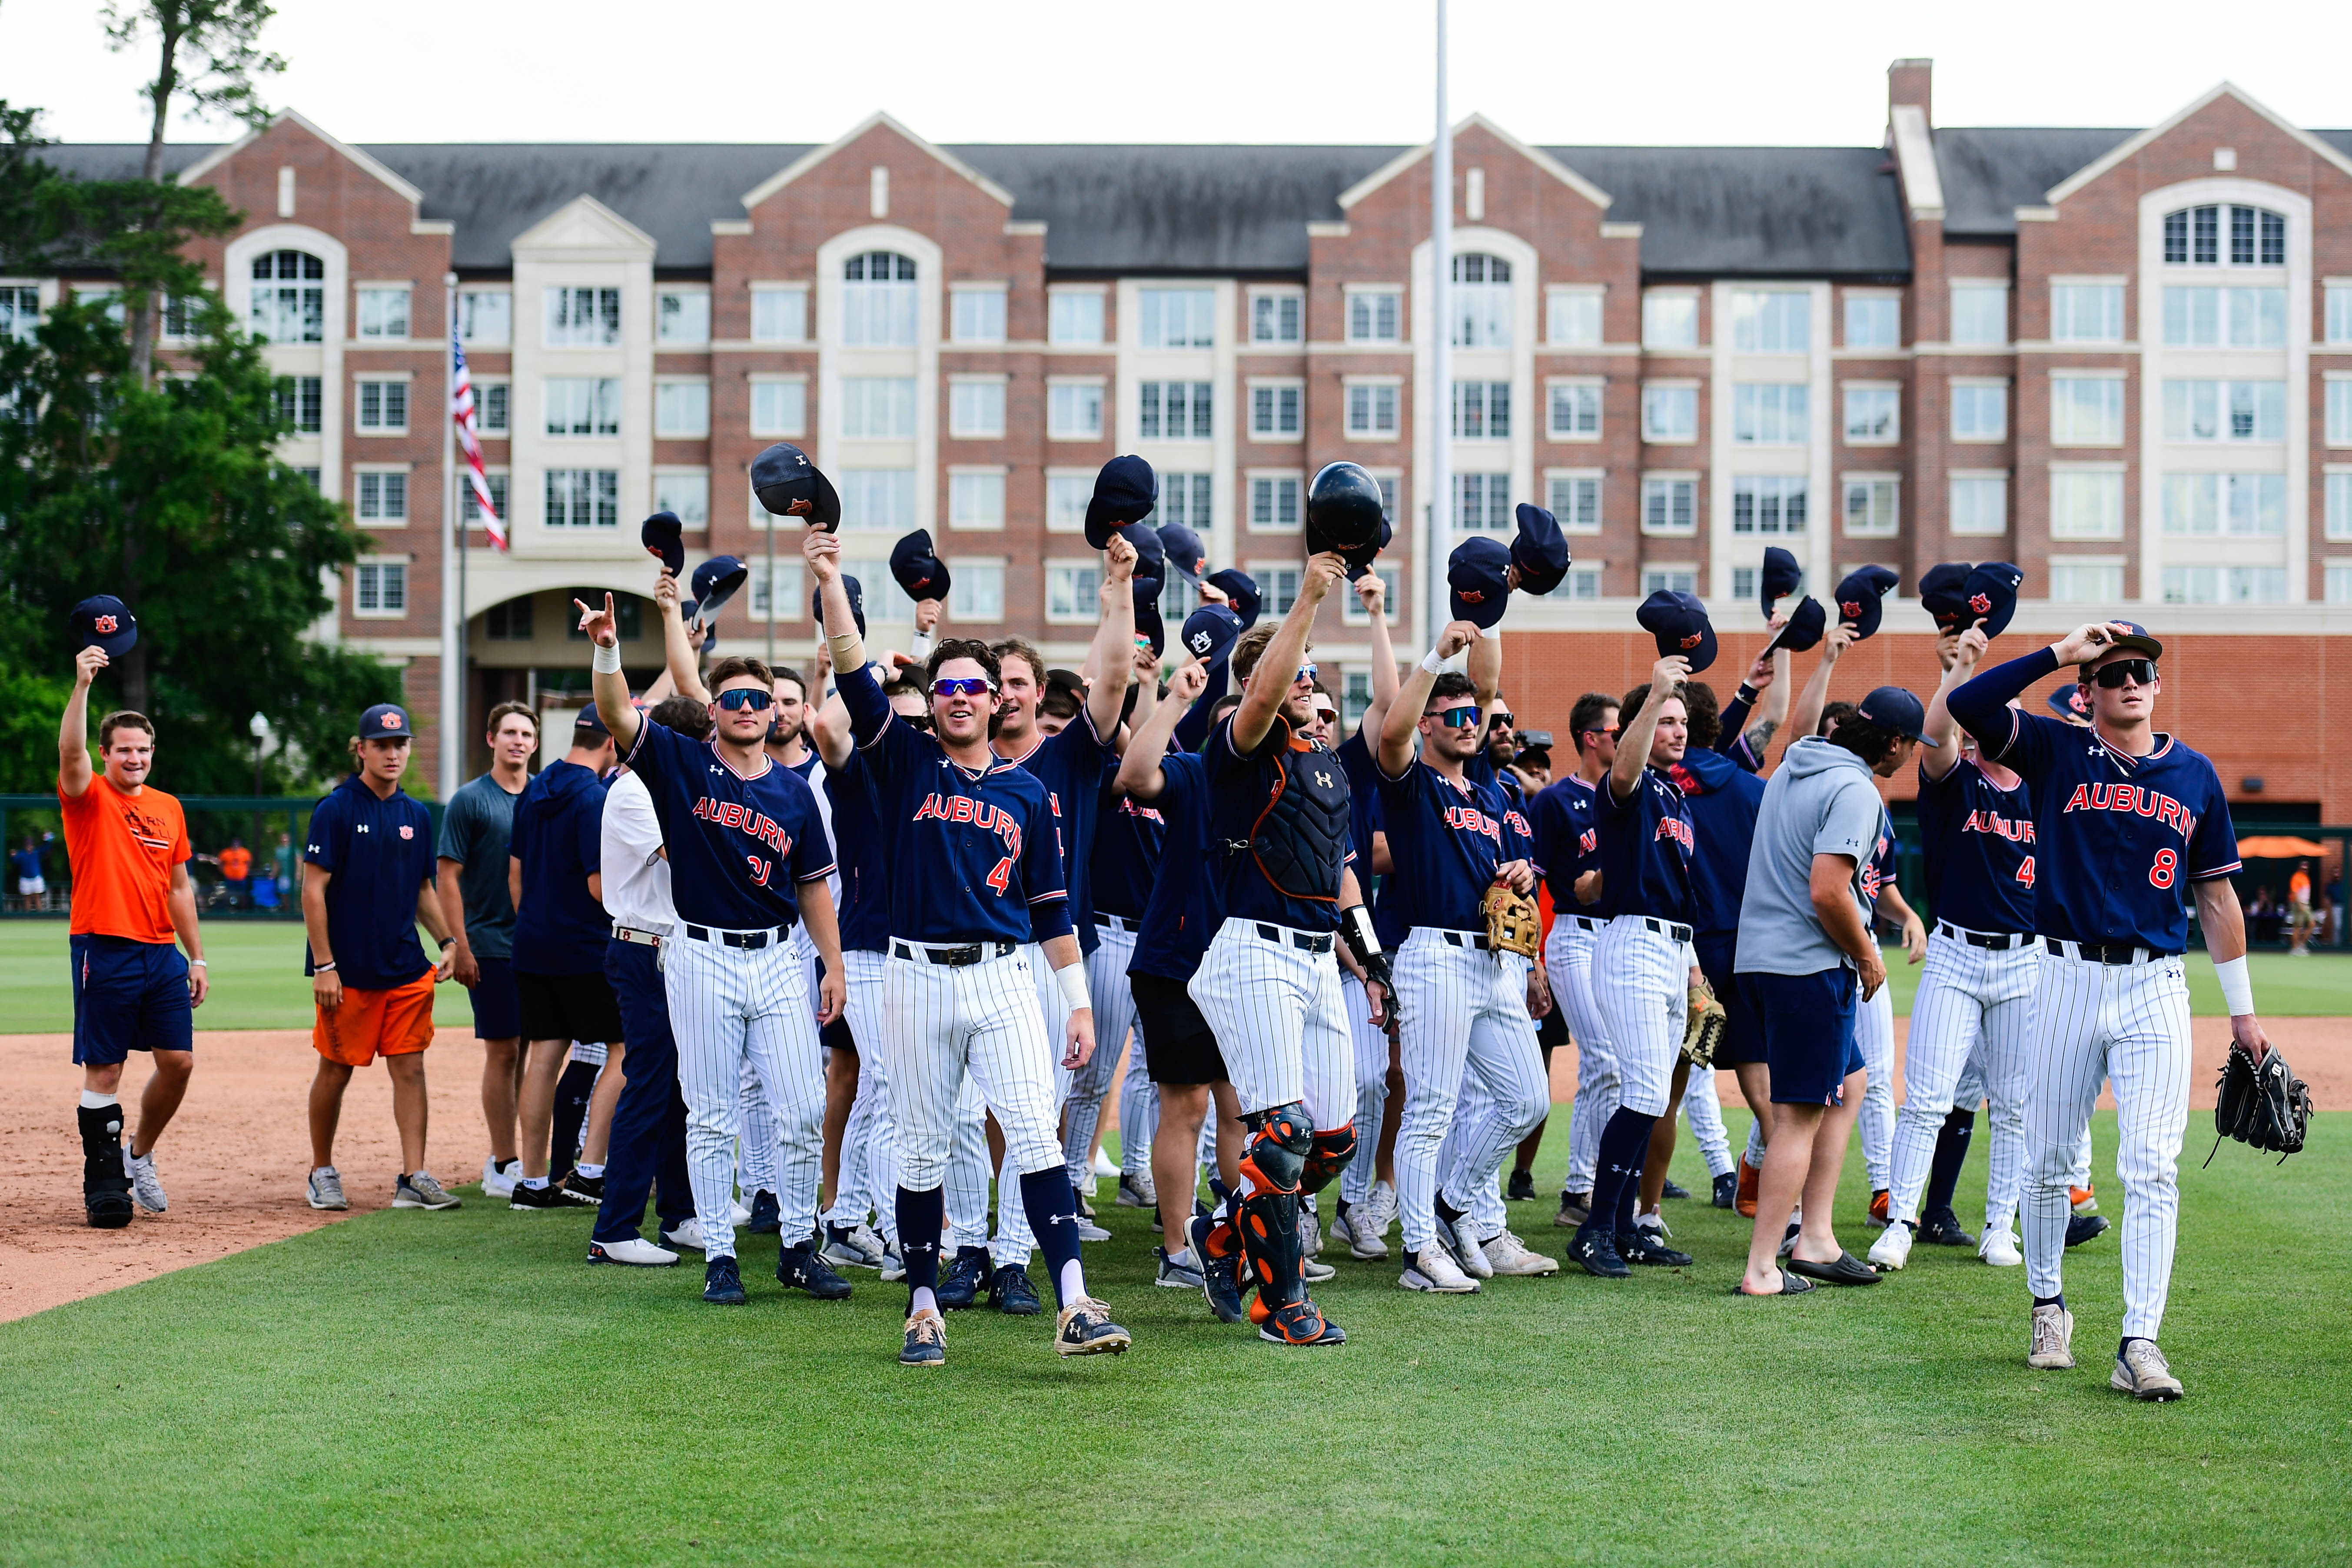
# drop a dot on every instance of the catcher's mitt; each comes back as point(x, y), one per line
point(2261, 1104)
point(1703, 1031)
point(1513, 923)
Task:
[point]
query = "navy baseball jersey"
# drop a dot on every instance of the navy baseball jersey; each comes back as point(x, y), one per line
point(1445, 841)
point(557, 837)
point(1480, 769)
point(1364, 813)
point(2118, 836)
point(1880, 873)
point(1978, 842)
point(1193, 730)
point(1567, 843)
point(858, 836)
point(1242, 788)
point(1647, 842)
point(970, 856)
point(1130, 838)
point(1724, 799)
point(806, 766)
point(1070, 765)
point(378, 852)
point(1183, 912)
point(740, 845)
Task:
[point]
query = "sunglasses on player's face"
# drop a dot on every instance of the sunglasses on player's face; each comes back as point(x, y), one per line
point(961, 686)
point(1455, 718)
point(1605, 729)
point(2139, 672)
point(735, 699)
point(1502, 720)
point(921, 722)
point(1306, 672)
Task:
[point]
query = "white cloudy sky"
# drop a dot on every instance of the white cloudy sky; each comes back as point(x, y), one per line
point(1700, 71)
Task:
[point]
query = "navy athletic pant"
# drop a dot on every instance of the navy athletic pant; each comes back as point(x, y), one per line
point(648, 1139)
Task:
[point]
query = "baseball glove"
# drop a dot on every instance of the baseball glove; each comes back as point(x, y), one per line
point(1703, 1030)
point(1512, 924)
point(2261, 1104)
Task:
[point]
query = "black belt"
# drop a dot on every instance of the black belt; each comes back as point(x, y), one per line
point(1303, 941)
point(2112, 953)
point(1116, 923)
point(1588, 922)
point(1667, 928)
point(745, 938)
point(957, 956)
point(1994, 941)
point(1468, 939)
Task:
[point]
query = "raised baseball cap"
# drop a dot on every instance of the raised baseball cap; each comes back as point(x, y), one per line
point(1209, 631)
point(1896, 712)
point(1539, 551)
point(104, 622)
point(1126, 490)
point(2138, 638)
point(660, 534)
point(783, 477)
point(1679, 623)
point(1478, 581)
point(856, 592)
point(1803, 627)
point(918, 568)
point(716, 582)
point(1182, 549)
point(383, 721)
point(1943, 594)
point(1780, 577)
point(1344, 512)
point(1241, 588)
point(1148, 624)
point(1991, 593)
point(1860, 599)
point(1150, 555)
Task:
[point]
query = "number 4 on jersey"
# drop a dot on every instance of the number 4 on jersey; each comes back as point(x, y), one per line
point(2025, 871)
point(1002, 878)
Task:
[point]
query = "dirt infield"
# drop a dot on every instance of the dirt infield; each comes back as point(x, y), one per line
point(233, 1159)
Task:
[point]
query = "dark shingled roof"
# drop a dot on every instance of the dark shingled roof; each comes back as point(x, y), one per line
point(1807, 212)
point(1988, 172)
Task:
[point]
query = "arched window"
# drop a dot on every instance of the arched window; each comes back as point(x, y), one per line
point(2213, 235)
point(877, 299)
point(290, 297)
point(1482, 302)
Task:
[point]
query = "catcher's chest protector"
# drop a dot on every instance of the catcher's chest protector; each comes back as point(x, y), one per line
point(1300, 839)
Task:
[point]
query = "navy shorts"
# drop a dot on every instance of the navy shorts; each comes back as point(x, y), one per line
point(1808, 1026)
point(128, 996)
point(498, 1003)
point(1743, 1035)
point(570, 1007)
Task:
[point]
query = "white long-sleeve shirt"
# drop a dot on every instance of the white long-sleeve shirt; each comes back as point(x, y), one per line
point(636, 874)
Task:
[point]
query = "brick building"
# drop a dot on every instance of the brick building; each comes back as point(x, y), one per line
point(2122, 359)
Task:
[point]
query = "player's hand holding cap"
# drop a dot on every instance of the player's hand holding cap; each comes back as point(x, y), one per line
point(661, 535)
point(1478, 581)
point(918, 567)
point(1125, 491)
point(716, 582)
point(104, 622)
point(1896, 712)
point(1539, 552)
point(1803, 629)
point(2133, 636)
point(1182, 549)
point(1860, 599)
point(1150, 555)
point(1779, 577)
point(1209, 631)
point(856, 592)
point(385, 721)
point(1240, 589)
point(1679, 623)
point(788, 485)
point(1943, 594)
point(1992, 596)
point(1344, 514)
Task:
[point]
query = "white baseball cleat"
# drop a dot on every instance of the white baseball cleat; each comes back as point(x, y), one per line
point(1467, 1250)
point(2052, 1347)
point(1892, 1250)
point(687, 1236)
point(1433, 1268)
point(496, 1183)
point(737, 1215)
point(2142, 1371)
point(1999, 1248)
point(1105, 1166)
point(636, 1252)
point(1509, 1256)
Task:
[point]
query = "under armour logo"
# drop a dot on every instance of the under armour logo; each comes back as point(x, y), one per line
point(1981, 603)
point(105, 624)
point(1322, 779)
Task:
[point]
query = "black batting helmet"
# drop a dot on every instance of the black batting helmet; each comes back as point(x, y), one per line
point(1343, 510)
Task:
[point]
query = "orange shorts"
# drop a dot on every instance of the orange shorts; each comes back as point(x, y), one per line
point(371, 1024)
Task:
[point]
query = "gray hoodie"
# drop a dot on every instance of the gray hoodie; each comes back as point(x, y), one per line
point(1823, 800)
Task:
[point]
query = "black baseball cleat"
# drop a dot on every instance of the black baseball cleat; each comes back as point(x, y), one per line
point(964, 1278)
point(767, 1215)
point(1083, 1328)
point(802, 1267)
point(722, 1282)
point(538, 1199)
point(586, 1190)
point(2081, 1228)
point(927, 1341)
point(1594, 1252)
point(1010, 1292)
point(1644, 1246)
point(1523, 1187)
point(1674, 1189)
point(1942, 1228)
point(1726, 1189)
point(1219, 1277)
point(1301, 1324)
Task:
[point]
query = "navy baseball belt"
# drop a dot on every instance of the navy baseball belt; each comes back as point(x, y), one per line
point(1666, 929)
point(1477, 938)
point(1993, 941)
point(2107, 953)
point(1305, 941)
point(952, 955)
point(750, 940)
point(1116, 923)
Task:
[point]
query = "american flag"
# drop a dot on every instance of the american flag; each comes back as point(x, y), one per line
point(461, 414)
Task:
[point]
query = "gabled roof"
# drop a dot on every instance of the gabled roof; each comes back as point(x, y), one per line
point(1991, 172)
point(229, 150)
point(1759, 212)
point(811, 158)
point(1536, 156)
point(586, 223)
point(2116, 154)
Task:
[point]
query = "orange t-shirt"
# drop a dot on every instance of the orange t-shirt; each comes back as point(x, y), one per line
point(2298, 888)
point(236, 864)
point(121, 850)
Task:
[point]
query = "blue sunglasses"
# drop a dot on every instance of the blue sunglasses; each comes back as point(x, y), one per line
point(736, 699)
point(962, 686)
point(1455, 718)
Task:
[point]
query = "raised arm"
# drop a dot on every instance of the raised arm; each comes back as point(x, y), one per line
point(1959, 653)
point(1486, 673)
point(1111, 659)
point(681, 648)
point(1634, 743)
point(852, 682)
point(606, 679)
point(1807, 718)
point(1372, 593)
point(1139, 772)
point(1277, 667)
point(1404, 712)
point(74, 771)
point(834, 740)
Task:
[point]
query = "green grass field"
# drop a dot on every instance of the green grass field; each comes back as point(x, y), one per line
point(257, 981)
point(460, 1387)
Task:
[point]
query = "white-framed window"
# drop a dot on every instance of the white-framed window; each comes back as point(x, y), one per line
point(878, 498)
point(1275, 501)
point(1573, 498)
point(1669, 580)
point(976, 407)
point(1176, 318)
point(1174, 410)
point(2224, 585)
point(1481, 303)
point(1074, 410)
point(884, 600)
point(789, 589)
point(2086, 410)
point(1279, 581)
point(1375, 315)
point(1772, 321)
point(1185, 499)
point(687, 492)
point(2085, 582)
point(2243, 504)
point(1372, 409)
point(302, 401)
point(383, 312)
point(583, 498)
point(485, 316)
point(2338, 580)
point(290, 298)
point(1767, 503)
point(583, 318)
point(2228, 410)
point(878, 407)
point(1874, 414)
point(1979, 504)
point(380, 496)
point(1276, 412)
point(2337, 508)
point(2210, 318)
point(1980, 312)
point(493, 408)
point(976, 315)
point(1572, 317)
point(2206, 236)
point(779, 406)
point(1980, 410)
point(682, 317)
point(379, 590)
point(583, 404)
point(20, 313)
point(1670, 319)
point(1074, 317)
point(1575, 409)
point(1770, 413)
point(977, 593)
point(381, 405)
point(1669, 411)
point(682, 409)
point(877, 299)
point(976, 498)
point(1581, 586)
point(1351, 609)
point(470, 506)
point(1482, 504)
point(1277, 316)
point(1482, 410)
point(779, 313)
point(2338, 325)
point(1073, 592)
point(2086, 312)
point(1872, 505)
point(2339, 411)
point(1874, 321)
point(1669, 503)
point(1067, 491)
point(2087, 503)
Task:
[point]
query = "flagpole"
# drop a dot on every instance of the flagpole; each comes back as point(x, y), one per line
point(453, 565)
point(1441, 355)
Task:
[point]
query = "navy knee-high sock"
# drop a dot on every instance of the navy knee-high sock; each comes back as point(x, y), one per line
point(1951, 1153)
point(921, 1218)
point(1629, 1196)
point(573, 1092)
point(1053, 1211)
point(1616, 1174)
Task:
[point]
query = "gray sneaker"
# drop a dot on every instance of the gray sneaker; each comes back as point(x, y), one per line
point(2142, 1371)
point(1175, 1276)
point(327, 1189)
point(419, 1190)
point(144, 1184)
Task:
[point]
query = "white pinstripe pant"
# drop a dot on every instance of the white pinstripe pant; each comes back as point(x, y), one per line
point(1874, 1033)
point(872, 1134)
point(2128, 1024)
point(1139, 1110)
point(1464, 1010)
point(1276, 1013)
point(1014, 1241)
point(728, 1007)
point(1568, 964)
point(1640, 978)
point(1703, 1108)
point(1371, 1048)
point(1114, 1016)
point(1970, 1027)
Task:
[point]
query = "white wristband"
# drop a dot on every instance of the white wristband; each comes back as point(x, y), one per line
point(1073, 981)
point(1433, 661)
point(2237, 986)
point(607, 660)
point(919, 649)
point(1493, 633)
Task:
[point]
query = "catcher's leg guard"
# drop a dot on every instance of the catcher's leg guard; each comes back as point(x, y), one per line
point(105, 1185)
point(1267, 1216)
point(1333, 1149)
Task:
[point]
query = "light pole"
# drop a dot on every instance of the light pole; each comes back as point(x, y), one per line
point(1441, 357)
point(258, 728)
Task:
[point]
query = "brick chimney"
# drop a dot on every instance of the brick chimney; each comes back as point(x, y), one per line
point(1911, 81)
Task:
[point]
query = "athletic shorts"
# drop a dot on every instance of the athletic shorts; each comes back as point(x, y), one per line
point(1551, 1030)
point(1808, 1025)
point(1179, 1046)
point(371, 1024)
point(128, 996)
point(569, 1007)
point(1743, 1033)
point(498, 1004)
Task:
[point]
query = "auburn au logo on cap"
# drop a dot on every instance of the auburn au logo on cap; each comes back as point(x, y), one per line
point(1850, 608)
point(1981, 603)
point(105, 624)
point(1472, 596)
point(388, 721)
point(1694, 639)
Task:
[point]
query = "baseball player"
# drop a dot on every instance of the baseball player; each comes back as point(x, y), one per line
point(1568, 847)
point(2123, 815)
point(133, 991)
point(749, 861)
point(369, 887)
point(974, 861)
point(476, 834)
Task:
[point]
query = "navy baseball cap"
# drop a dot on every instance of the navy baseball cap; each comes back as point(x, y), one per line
point(1125, 492)
point(1150, 555)
point(1992, 591)
point(1477, 577)
point(1209, 631)
point(1538, 550)
point(714, 582)
point(1148, 624)
point(1242, 589)
point(1803, 627)
point(660, 535)
point(1779, 579)
point(2138, 638)
point(1860, 598)
point(856, 592)
point(918, 568)
point(2069, 702)
point(589, 718)
point(783, 477)
point(1944, 591)
point(105, 622)
point(383, 721)
point(1182, 549)
point(1679, 623)
point(1895, 711)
